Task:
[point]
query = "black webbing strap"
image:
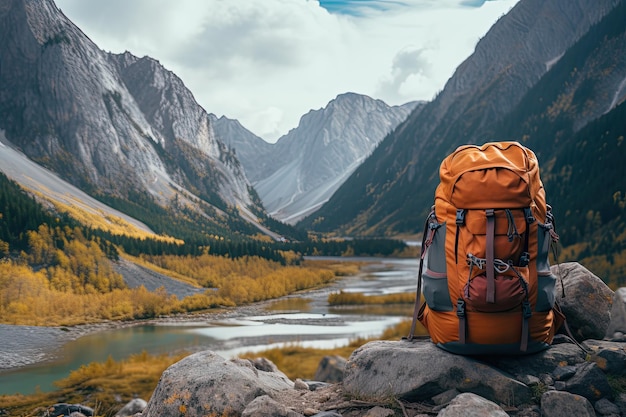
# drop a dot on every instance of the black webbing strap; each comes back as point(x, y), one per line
point(418, 292)
point(526, 313)
point(460, 221)
point(460, 313)
point(491, 231)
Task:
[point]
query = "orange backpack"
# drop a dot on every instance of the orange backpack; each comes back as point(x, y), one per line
point(484, 270)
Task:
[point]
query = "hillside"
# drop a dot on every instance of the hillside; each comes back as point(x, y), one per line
point(123, 129)
point(544, 75)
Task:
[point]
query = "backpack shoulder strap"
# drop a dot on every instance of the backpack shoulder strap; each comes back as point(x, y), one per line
point(427, 239)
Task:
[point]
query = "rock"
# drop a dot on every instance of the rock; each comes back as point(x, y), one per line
point(610, 357)
point(618, 313)
point(330, 369)
point(416, 371)
point(563, 373)
point(264, 364)
point(589, 382)
point(445, 397)
point(539, 363)
point(300, 385)
point(133, 407)
point(620, 402)
point(606, 408)
point(529, 380)
point(265, 406)
point(564, 404)
point(587, 302)
point(532, 411)
point(379, 412)
point(471, 405)
point(64, 409)
point(314, 385)
point(205, 383)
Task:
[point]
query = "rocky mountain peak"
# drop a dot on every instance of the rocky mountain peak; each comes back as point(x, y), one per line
point(106, 122)
point(301, 171)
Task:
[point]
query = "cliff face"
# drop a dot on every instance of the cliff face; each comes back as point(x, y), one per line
point(111, 124)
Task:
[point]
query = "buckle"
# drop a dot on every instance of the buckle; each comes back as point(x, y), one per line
point(460, 308)
point(460, 217)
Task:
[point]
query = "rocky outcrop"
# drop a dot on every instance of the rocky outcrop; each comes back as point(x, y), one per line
point(413, 378)
point(397, 376)
point(585, 299)
point(206, 383)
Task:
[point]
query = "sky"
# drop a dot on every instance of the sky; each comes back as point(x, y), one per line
point(267, 63)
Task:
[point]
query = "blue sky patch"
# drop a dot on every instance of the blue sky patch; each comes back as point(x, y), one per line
point(355, 7)
point(473, 3)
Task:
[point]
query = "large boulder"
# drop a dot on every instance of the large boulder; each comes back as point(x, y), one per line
point(585, 299)
point(410, 371)
point(617, 325)
point(207, 384)
point(564, 404)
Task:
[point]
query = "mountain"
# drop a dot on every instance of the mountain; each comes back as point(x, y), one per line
point(549, 74)
point(300, 172)
point(391, 192)
point(122, 128)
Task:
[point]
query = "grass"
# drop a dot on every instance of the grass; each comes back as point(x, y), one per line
point(105, 387)
point(355, 298)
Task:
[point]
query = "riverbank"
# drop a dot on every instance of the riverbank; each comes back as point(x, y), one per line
point(23, 346)
point(29, 345)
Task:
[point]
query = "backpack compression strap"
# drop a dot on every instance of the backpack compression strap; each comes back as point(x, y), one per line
point(491, 231)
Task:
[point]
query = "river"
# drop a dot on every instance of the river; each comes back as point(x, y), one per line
point(305, 319)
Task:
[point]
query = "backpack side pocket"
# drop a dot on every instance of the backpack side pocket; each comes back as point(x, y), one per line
point(435, 277)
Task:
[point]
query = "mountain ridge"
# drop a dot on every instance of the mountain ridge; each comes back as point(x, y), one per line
point(122, 128)
point(303, 168)
point(392, 191)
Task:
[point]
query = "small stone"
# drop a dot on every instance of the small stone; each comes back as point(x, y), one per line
point(563, 373)
point(445, 397)
point(529, 380)
point(379, 412)
point(606, 407)
point(300, 385)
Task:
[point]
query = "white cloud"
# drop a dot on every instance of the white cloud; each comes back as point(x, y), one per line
point(266, 63)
